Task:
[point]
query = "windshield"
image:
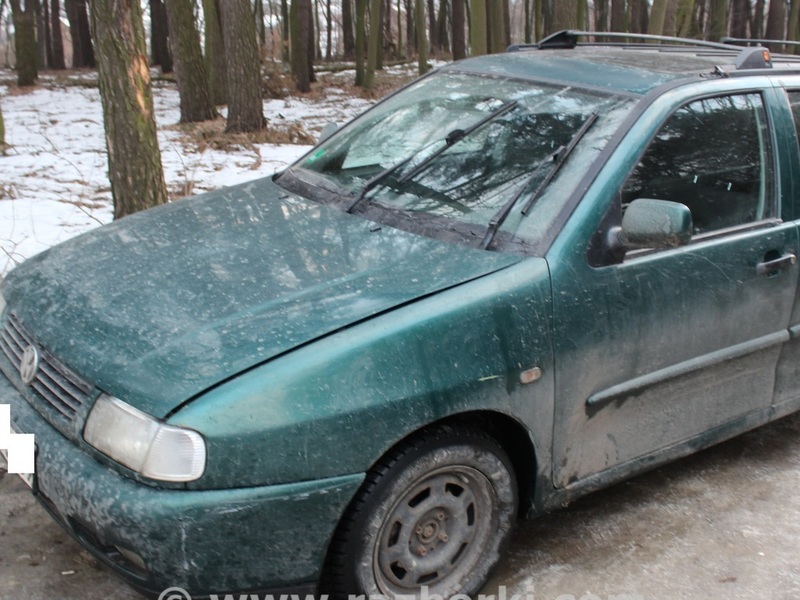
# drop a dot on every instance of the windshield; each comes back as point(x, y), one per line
point(455, 147)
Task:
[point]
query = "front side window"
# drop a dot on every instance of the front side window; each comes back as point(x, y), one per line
point(715, 156)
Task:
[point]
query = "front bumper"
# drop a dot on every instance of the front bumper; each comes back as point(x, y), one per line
point(206, 542)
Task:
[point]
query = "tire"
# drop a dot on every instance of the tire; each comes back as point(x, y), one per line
point(435, 513)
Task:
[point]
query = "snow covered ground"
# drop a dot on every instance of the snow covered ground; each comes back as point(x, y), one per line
point(53, 178)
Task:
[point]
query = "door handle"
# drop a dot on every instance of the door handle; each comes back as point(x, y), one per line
point(776, 264)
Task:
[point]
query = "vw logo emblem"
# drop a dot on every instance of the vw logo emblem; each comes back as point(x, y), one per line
point(29, 365)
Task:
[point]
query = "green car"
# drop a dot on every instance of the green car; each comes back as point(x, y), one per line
point(517, 280)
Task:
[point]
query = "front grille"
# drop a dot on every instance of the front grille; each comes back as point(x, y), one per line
point(54, 383)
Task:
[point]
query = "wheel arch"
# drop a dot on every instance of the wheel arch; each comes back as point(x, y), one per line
point(514, 438)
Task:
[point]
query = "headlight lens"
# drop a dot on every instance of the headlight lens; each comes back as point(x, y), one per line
point(140, 442)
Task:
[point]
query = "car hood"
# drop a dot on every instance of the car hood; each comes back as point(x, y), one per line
point(161, 305)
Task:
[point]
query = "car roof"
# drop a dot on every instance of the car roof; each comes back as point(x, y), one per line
point(625, 68)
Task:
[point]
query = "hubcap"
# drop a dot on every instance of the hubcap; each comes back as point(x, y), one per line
point(436, 532)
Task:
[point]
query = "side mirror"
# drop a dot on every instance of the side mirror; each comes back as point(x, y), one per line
point(649, 223)
point(327, 132)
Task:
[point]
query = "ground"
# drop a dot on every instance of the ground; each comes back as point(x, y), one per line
point(723, 523)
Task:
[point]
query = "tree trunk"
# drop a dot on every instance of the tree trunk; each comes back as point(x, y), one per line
point(431, 14)
point(2, 133)
point(299, 19)
point(399, 52)
point(639, 16)
point(25, 42)
point(190, 68)
point(684, 18)
point(411, 27)
point(539, 17)
point(442, 37)
point(374, 46)
point(775, 23)
point(82, 48)
point(348, 40)
point(245, 106)
point(565, 14)
point(459, 30)
point(285, 33)
point(740, 17)
point(134, 160)
point(422, 42)
point(718, 20)
point(216, 65)
point(478, 28)
point(794, 23)
point(58, 39)
point(262, 29)
point(657, 15)
point(619, 16)
point(329, 32)
point(159, 42)
point(312, 44)
point(757, 28)
point(361, 34)
point(601, 15)
point(498, 25)
point(43, 42)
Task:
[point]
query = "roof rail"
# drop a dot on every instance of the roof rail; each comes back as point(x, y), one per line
point(568, 39)
point(751, 41)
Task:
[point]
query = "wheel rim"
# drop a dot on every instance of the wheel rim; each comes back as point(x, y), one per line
point(436, 532)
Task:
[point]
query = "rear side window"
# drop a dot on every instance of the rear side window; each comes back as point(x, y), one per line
point(794, 100)
point(715, 156)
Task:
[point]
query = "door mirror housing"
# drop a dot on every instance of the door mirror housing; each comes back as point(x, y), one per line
point(650, 223)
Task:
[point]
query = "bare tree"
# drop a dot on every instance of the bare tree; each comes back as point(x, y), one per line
point(776, 20)
point(361, 25)
point(565, 14)
point(348, 39)
point(79, 30)
point(216, 65)
point(718, 20)
point(619, 16)
point(190, 68)
point(374, 46)
point(300, 34)
point(740, 17)
point(422, 41)
point(245, 106)
point(134, 159)
point(478, 30)
point(58, 39)
point(160, 52)
point(459, 30)
point(2, 132)
point(25, 49)
point(497, 24)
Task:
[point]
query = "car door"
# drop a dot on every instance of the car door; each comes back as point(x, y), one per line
point(657, 349)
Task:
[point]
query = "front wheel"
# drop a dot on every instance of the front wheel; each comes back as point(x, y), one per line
point(435, 513)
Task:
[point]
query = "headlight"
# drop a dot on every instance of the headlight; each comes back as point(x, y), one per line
point(2, 302)
point(140, 442)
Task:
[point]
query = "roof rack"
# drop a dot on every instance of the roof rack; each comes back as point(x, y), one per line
point(751, 58)
point(568, 39)
point(751, 41)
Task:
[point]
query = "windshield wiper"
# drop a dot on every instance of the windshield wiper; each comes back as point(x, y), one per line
point(558, 158)
point(562, 155)
point(452, 138)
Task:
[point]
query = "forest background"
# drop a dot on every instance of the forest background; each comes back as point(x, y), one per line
point(226, 63)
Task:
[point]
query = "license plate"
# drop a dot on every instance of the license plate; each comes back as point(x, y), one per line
point(26, 477)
